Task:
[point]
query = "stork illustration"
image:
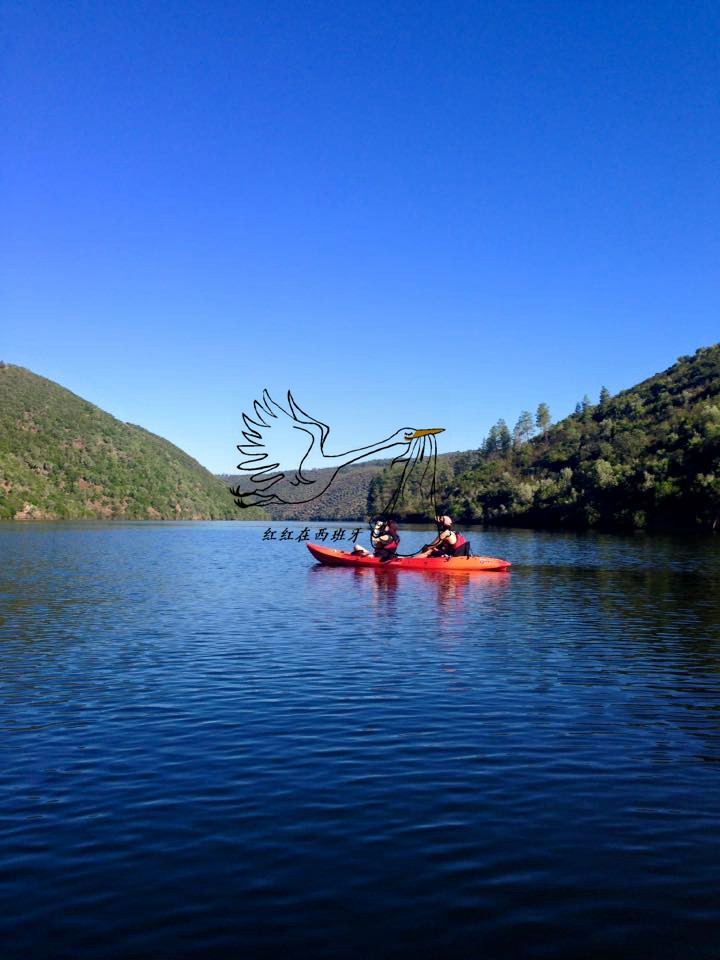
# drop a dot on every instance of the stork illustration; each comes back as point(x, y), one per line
point(275, 427)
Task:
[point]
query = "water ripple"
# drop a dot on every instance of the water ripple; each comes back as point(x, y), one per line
point(211, 749)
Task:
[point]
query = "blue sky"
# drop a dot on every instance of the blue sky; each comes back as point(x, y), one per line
point(414, 214)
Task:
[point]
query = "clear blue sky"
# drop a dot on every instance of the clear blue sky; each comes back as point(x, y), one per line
point(423, 214)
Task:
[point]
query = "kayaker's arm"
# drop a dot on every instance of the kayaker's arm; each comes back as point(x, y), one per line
point(443, 535)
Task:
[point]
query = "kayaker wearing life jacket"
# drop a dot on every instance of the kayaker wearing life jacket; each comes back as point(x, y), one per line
point(386, 541)
point(448, 542)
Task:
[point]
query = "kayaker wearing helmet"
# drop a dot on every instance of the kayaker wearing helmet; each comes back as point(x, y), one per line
point(448, 542)
point(385, 539)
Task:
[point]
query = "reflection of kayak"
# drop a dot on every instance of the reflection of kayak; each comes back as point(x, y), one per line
point(337, 558)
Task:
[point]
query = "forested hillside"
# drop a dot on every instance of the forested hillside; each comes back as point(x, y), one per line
point(64, 458)
point(647, 457)
point(352, 491)
point(345, 499)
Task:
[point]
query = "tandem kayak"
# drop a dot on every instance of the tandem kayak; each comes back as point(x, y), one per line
point(338, 558)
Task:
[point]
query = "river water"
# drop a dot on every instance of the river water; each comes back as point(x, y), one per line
point(212, 747)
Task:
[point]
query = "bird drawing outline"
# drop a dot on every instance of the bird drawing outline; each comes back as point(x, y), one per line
point(273, 426)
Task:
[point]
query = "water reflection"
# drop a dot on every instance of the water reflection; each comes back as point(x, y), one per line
point(444, 589)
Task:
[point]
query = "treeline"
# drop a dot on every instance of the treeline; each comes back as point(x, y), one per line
point(500, 440)
point(648, 457)
point(361, 490)
point(415, 503)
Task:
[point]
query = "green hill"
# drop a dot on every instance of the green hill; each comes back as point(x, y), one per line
point(353, 494)
point(647, 457)
point(345, 499)
point(64, 458)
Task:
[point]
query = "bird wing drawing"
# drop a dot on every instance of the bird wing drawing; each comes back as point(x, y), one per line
point(274, 434)
point(272, 427)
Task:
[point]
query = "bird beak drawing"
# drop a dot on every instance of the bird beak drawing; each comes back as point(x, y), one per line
point(423, 433)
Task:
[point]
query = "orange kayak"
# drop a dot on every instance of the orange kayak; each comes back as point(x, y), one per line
point(338, 558)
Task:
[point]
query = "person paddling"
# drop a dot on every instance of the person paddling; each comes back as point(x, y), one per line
point(385, 539)
point(387, 542)
point(448, 543)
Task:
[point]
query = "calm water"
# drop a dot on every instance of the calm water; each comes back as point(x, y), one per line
point(210, 747)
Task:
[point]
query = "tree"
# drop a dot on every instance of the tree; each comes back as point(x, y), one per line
point(498, 439)
point(523, 428)
point(604, 396)
point(490, 443)
point(504, 438)
point(542, 417)
point(585, 406)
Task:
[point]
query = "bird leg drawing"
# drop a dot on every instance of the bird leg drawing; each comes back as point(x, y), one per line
point(298, 435)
